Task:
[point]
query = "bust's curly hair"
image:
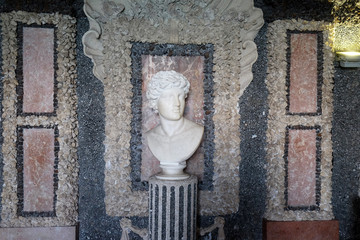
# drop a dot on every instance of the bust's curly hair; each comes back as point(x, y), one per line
point(164, 80)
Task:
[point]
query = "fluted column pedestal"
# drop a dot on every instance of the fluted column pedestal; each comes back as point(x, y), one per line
point(172, 208)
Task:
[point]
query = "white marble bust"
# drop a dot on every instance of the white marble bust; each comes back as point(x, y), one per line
point(176, 138)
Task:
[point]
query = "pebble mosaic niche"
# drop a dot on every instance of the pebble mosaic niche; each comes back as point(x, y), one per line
point(114, 29)
point(61, 119)
point(195, 62)
point(281, 121)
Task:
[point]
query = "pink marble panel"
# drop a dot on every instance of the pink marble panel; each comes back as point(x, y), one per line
point(28, 233)
point(38, 70)
point(302, 168)
point(192, 67)
point(39, 157)
point(303, 73)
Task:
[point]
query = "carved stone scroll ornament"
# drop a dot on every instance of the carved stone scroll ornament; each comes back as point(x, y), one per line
point(99, 12)
point(230, 26)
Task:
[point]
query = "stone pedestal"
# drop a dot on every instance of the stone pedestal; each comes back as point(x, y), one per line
point(172, 208)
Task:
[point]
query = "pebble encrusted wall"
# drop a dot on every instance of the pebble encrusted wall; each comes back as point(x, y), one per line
point(246, 223)
point(346, 165)
point(95, 223)
point(280, 121)
point(117, 38)
point(61, 122)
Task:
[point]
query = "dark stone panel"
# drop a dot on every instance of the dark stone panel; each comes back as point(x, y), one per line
point(163, 215)
point(188, 214)
point(156, 212)
point(39, 6)
point(181, 211)
point(289, 9)
point(2, 4)
point(172, 212)
point(346, 151)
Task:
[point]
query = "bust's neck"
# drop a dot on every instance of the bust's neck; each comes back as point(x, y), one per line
point(171, 128)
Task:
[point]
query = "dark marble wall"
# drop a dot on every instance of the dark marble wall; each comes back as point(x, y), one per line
point(247, 222)
point(1, 129)
point(287, 9)
point(94, 224)
point(346, 152)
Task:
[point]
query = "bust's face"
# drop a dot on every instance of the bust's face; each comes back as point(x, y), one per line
point(171, 104)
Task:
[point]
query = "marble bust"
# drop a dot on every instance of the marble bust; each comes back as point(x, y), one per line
point(176, 138)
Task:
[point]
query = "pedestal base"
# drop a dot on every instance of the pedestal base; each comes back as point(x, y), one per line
point(176, 177)
point(172, 208)
point(172, 171)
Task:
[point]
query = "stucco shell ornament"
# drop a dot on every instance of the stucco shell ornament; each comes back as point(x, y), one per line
point(230, 26)
point(206, 12)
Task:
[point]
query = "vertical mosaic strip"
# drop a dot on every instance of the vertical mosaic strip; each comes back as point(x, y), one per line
point(302, 163)
point(304, 72)
point(36, 69)
point(37, 164)
point(299, 146)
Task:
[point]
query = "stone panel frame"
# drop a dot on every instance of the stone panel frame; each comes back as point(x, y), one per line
point(320, 44)
point(20, 168)
point(65, 120)
point(141, 49)
point(19, 69)
point(278, 120)
point(230, 27)
point(317, 170)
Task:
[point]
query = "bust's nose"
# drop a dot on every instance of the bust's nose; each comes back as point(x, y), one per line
point(176, 101)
